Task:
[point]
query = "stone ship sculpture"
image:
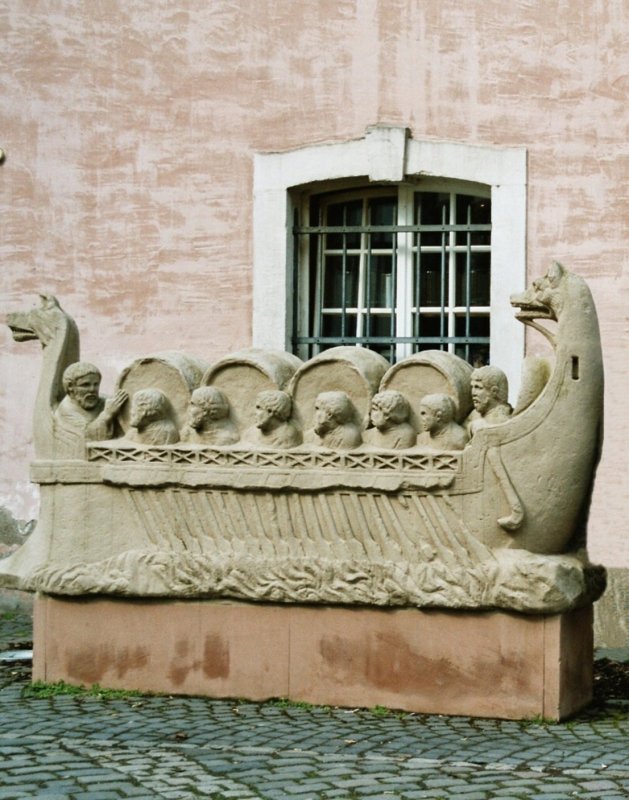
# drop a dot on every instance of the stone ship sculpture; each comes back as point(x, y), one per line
point(341, 480)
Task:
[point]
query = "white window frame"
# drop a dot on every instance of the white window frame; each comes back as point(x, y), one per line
point(388, 155)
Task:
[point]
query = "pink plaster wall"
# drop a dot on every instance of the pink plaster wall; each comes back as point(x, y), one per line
point(130, 130)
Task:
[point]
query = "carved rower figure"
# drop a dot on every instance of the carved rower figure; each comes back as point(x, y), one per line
point(389, 415)
point(273, 426)
point(151, 419)
point(440, 431)
point(208, 419)
point(490, 392)
point(83, 410)
point(334, 425)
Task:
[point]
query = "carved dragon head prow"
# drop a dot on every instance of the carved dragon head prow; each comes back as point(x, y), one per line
point(59, 337)
point(44, 323)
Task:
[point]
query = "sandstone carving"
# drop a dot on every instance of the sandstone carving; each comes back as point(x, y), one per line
point(175, 374)
point(352, 515)
point(241, 376)
point(273, 427)
point(334, 425)
point(208, 418)
point(355, 371)
point(83, 412)
point(490, 394)
point(390, 413)
point(151, 419)
point(439, 430)
point(431, 372)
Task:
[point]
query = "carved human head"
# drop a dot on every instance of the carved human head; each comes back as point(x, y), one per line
point(272, 406)
point(389, 408)
point(207, 404)
point(489, 388)
point(331, 410)
point(148, 405)
point(81, 382)
point(436, 411)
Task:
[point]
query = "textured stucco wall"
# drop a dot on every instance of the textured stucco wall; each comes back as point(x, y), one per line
point(130, 130)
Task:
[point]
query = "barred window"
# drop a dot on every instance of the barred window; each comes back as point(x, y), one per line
point(397, 269)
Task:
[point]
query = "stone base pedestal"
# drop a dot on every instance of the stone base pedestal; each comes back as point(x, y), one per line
point(489, 664)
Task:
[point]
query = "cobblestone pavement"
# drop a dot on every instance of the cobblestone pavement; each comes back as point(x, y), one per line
point(95, 748)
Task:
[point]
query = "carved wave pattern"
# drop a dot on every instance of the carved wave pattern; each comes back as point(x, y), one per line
point(285, 459)
point(519, 582)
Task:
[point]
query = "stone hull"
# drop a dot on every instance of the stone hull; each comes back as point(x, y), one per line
point(385, 536)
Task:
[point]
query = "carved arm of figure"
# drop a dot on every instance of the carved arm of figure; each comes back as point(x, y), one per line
point(104, 425)
point(83, 412)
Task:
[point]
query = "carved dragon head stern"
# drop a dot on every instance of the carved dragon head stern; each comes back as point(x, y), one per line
point(544, 299)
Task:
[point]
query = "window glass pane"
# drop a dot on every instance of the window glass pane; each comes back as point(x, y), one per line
point(472, 210)
point(332, 325)
point(343, 215)
point(429, 325)
point(479, 279)
point(430, 269)
point(386, 350)
point(431, 208)
point(333, 281)
point(382, 325)
point(382, 211)
point(380, 282)
point(479, 325)
point(476, 354)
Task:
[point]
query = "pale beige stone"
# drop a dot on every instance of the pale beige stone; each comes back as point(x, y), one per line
point(59, 337)
point(83, 414)
point(151, 419)
point(175, 374)
point(274, 427)
point(246, 373)
point(353, 370)
point(208, 419)
point(536, 372)
point(431, 372)
point(334, 423)
point(490, 396)
point(497, 524)
point(439, 430)
point(389, 417)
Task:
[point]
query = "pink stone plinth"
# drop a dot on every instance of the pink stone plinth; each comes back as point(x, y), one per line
point(491, 664)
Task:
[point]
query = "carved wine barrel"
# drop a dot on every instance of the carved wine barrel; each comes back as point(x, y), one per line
point(241, 376)
point(177, 375)
point(353, 370)
point(431, 372)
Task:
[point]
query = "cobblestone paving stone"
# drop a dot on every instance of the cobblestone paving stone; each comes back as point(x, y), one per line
point(85, 747)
